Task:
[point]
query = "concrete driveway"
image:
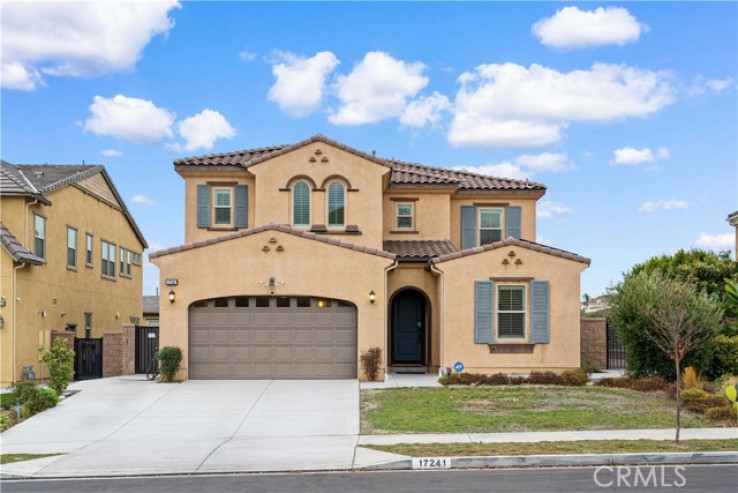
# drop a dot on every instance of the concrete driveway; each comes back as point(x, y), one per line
point(126, 425)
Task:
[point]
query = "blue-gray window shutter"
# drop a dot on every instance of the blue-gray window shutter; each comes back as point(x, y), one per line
point(203, 206)
point(512, 222)
point(468, 226)
point(484, 322)
point(539, 312)
point(242, 198)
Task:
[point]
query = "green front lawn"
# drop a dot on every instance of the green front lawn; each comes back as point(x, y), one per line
point(511, 409)
point(556, 448)
point(8, 458)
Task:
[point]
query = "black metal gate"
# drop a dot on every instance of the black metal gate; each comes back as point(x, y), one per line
point(147, 343)
point(88, 358)
point(615, 349)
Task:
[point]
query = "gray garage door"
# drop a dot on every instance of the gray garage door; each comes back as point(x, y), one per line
point(272, 337)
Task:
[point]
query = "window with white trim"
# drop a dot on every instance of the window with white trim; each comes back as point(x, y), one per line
point(107, 256)
point(88, 253)
point(511, 305)
point(490, 226)
point(222, 206)
point(405, 216)
point(122, 268)
point(71, 247)
point(301, 204)
point(39, 236)
point(336, 205)
point(128, 263)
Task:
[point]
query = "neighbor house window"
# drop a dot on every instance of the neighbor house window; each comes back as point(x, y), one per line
point(222, 201)
point(336, 205)
point(301, 204)
point(511, 312)
point(88, 253)
point(128, 263)
point(71, 247)
point(88, 325)
point(39, 236)
point(405, 216)
point(122, 268)
point(490, 226)
point(107, 255)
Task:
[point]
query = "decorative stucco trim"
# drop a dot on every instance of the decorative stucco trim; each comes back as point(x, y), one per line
point(530, 245)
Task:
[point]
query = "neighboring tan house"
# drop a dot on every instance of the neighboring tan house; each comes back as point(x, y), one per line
point(71, 260)
point(597, 304)
point(299, 258)
point(733, 220)
point(151, 310)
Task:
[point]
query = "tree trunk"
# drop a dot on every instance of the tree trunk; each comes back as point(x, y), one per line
point(678, 399)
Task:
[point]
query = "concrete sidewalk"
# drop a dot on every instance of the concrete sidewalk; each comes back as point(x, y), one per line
point(552, 436)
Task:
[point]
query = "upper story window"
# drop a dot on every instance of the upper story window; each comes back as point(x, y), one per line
point(490, 226)
point(301, 204)
point(71, 247)
point(39, 236)
point(222, 202)
point(88, 253)
point(405, 216)
point(336, 205)
point(511, 311)
point(122, 268)
point(107, 255)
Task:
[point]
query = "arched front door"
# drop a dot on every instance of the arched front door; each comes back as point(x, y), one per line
point(408, 327)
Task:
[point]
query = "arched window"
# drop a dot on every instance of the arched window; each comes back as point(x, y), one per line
point(336, 205)
point(301, 204)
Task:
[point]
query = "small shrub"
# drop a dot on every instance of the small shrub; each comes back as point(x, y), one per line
point(170, 357)
point(725, 355)
point(25, 391)
point(699, 401)
point(590, 367)
point(49, 397)
point(4, 421)
point(542, 378)
point(25, 412)
point(497, 379)
point(649, 384)
point(720, 413)
point(60, 363)
point(574, 378)
point(691, 379)
point(370, 363)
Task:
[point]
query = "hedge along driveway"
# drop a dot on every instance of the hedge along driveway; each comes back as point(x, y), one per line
point(513, 409)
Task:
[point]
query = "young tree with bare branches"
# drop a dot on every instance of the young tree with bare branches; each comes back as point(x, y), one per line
point(678, 318)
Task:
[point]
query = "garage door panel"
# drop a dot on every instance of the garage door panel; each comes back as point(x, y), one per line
point(273, 342)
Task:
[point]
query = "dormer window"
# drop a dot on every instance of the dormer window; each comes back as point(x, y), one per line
point(222, 200)
point(490, 226)
point(405, 216)
point(301, 205)
point(336, 205)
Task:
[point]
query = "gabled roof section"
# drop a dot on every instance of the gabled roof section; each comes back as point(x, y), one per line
point(418, 250)
point(13, 182)
point(733, 218)
point(15, 248)
point(47, 178)
point(530, 245)
point(273, 227)
point(403, 173)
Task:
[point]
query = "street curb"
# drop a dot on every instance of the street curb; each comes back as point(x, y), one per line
point(508, 461)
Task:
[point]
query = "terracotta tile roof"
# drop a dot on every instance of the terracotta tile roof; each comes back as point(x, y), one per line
point(513, 242)
point(418, 249)
point(273, 227)
point(15, 248)
point(403, 173)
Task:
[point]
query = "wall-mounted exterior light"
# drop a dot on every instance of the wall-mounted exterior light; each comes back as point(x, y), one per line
point(372, 296)
point(172, 296)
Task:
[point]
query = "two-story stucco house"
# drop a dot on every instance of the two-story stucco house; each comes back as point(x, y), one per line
point(299, 258)
point(70, 260)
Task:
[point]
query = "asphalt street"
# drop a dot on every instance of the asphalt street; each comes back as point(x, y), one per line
point(697, 479)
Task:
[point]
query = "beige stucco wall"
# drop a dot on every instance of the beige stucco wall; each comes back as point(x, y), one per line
point(457, 287)
point(432, 215)
point(414, 275)
point(307, 267)
point(527, 220)
point(51, 295)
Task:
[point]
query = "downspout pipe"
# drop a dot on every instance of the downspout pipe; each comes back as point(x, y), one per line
point(15, 316)
point(387, 270)
point(441, 291)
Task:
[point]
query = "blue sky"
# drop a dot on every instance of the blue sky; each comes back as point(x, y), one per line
point(546, 91)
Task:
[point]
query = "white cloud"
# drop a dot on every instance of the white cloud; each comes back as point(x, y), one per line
point(133, 119)
point(508, 105)
point(629, 156)
point(142, 199)
point(667, 205)
point(247, 56)
point(701, 84)
point(203, 129)
point(718, 242)
point(300, 82)
point(112, 153)
point(573, 28)
point(719, 85)
point(545, 209)
point(78, 39)
point(524, 166)
point(377, 89)
point(504, 169)
point(423, 111)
